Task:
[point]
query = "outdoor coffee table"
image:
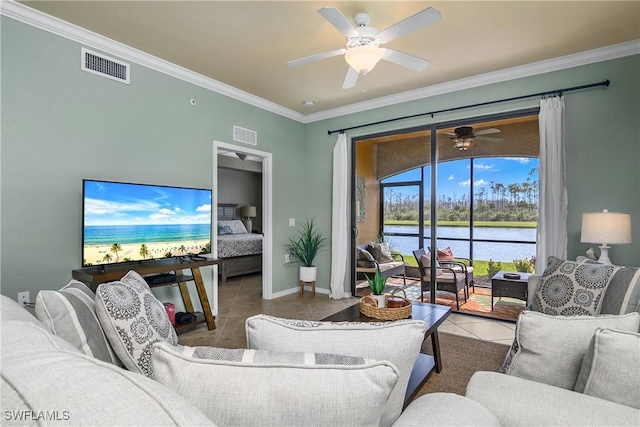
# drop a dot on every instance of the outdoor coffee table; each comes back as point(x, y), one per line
point(512, 288)
point(431, 314)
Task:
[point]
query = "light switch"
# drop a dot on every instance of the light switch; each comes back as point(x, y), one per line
point(292, 222)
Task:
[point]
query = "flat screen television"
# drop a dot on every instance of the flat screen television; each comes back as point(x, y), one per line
point(125, 222)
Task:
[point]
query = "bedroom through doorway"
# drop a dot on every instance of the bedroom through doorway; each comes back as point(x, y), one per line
point(241, 215)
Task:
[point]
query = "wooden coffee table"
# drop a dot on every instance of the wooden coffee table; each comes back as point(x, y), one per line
point(432, 315)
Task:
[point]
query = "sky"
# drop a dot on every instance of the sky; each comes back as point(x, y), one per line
point(111, 203)
point(454, 176)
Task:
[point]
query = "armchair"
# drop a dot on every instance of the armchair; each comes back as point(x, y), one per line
point(449, 281)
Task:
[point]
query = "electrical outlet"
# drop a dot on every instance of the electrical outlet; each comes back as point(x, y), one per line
point(23, 298)
point(292, 222)
point(287, 258)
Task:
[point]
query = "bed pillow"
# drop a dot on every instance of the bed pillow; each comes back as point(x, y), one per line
point(70, 313)
point(398, 342)
point(224, 229)
point(235, 226)
point(550, 349)
point(571, 288)
point(238, 387)
point(133, 320)
point(610, 368)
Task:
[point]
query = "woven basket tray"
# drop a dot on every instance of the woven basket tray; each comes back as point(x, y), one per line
point(386, 313)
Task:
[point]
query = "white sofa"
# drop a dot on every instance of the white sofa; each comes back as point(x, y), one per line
point(47, 380)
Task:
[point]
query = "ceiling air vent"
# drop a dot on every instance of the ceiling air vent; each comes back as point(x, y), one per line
point(245, 135)
point(97, 63)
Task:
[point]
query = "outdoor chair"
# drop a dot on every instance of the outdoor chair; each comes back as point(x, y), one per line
point(386, 269)
point(460, 264)
point(448, 281)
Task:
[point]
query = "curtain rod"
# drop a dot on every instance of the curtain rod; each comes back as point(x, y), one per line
point(550, 92)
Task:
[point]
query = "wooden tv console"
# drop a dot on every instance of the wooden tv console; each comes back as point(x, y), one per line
point(158, 269)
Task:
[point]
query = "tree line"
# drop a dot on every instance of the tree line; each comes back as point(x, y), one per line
point(497, 202)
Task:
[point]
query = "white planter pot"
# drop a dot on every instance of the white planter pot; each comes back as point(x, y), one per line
point(307, 274)
point(380, 299)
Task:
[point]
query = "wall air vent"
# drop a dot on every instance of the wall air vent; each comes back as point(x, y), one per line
point(245, 135)
point(97, 63)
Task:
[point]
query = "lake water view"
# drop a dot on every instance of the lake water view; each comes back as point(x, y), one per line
point(496, 251)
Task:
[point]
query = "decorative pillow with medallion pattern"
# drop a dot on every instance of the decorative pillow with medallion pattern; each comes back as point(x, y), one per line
point(133, 320)
point(570, 288)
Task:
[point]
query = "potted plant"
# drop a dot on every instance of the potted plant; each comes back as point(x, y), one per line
point(305, 247)
point(377, 287)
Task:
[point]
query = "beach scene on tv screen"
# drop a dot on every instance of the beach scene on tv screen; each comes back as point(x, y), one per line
point(131, 222)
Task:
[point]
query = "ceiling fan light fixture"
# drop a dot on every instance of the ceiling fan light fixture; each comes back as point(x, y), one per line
point(463, 143)
point(363, 58)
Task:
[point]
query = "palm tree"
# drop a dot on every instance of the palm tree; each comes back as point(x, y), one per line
point(115, 247)
point(182, 249)
point(144, 252)
point(107, 257)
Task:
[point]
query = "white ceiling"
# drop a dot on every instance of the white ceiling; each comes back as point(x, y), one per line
point(246, 44)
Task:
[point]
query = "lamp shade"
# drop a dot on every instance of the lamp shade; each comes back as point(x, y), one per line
point(248, 211)
point(606, 227)
point(363, 58)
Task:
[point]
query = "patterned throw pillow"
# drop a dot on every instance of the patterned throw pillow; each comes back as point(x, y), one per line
point(133, 320)
point(70, 313)
point(240, 387)
point(570, 288)
point(235, 225)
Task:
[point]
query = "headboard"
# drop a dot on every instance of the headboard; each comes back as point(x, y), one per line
point(227, 211)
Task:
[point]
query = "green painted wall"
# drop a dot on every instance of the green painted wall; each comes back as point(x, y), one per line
point(60, 125)
point(602, 140)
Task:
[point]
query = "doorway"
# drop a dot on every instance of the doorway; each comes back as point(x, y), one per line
point(267, 212)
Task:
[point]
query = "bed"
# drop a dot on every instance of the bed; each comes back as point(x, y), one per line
point(239, 250)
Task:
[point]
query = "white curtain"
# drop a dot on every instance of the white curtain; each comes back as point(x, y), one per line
point(552, 210)
point(339, 220)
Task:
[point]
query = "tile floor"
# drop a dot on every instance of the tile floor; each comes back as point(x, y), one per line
point(240, 297)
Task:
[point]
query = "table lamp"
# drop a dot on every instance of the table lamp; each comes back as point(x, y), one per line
point(248, 212)
point(607, 228)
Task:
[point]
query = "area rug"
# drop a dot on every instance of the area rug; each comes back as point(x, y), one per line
point(461, 358)
point(479, 303)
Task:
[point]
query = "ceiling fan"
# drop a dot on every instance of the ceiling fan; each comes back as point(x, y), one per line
point(363, 49)
point(464, 137)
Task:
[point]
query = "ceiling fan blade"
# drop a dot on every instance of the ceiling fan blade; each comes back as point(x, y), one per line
point(488, 138)
point(409, 61)
point(487, 131)
point(338, 20)
point(412, 23)
point(350, 79)
point(317, 56)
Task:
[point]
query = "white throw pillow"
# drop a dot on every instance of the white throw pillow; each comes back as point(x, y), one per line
point(70, 313)
point(611, 368)
point(262, 388)
point(550, 349)
point(398, 342)
point(133, 320)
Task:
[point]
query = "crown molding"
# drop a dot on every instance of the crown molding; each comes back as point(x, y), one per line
point(32, 17)
point(35, 18)
point(535, 68)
